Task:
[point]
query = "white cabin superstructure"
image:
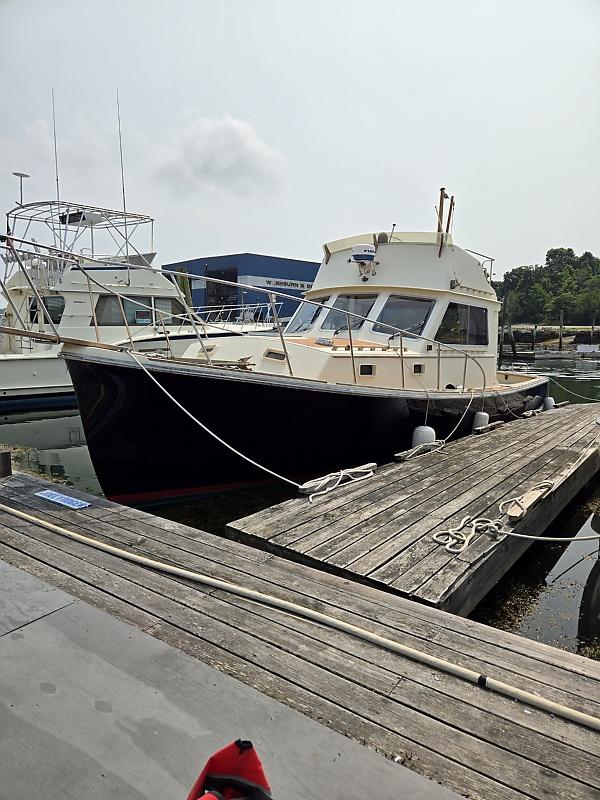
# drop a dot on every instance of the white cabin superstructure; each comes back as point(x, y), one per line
point(431, 319)
point(83, 303)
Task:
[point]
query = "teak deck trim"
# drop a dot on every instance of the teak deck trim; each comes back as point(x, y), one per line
point(379, 531)
point(475, 742)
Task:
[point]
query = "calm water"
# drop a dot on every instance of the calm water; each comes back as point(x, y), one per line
point(552, 594)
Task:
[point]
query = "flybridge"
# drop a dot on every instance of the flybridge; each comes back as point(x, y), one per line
point(418, 237)
point(417, 261)
point(48, 211)
point(84, 230)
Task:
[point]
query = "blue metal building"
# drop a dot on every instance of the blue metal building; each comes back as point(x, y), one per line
point(288, 275)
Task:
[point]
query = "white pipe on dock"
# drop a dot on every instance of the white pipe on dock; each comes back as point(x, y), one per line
point(484, 681)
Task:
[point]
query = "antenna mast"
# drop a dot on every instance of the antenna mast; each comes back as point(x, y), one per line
point(123, 185)
point(55, 148)
point(62, 240)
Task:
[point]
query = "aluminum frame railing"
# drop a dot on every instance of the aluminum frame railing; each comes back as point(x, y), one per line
point(241, 312)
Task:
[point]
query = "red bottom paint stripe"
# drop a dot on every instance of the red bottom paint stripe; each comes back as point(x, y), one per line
point(166, 494)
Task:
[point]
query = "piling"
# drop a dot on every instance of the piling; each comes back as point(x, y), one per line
point(5, 463)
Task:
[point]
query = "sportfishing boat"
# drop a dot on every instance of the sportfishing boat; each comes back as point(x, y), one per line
point(399, 330)
point(83, 293)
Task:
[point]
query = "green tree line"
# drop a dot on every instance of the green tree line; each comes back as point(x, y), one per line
point(537, 293)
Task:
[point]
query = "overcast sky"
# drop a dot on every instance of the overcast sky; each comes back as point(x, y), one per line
point(271, 126)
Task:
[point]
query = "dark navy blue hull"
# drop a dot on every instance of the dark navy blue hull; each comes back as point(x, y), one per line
point(144, 448)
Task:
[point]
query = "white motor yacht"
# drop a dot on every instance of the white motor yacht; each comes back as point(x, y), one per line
point(83, 293)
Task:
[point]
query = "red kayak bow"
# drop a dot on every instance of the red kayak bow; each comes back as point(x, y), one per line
point(233, 773)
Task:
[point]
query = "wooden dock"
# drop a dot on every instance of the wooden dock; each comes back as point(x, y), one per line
point(475, 742)
point(379, 531)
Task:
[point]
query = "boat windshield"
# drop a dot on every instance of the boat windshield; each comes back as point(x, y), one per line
point(305, 316)
point(408, 313)
point(336, 319)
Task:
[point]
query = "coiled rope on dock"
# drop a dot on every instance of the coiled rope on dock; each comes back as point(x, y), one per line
point(456, 539)
point(443, 665)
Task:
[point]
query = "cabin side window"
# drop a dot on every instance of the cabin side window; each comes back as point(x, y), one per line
point(137, 312)
point(408, 313)
point(108, 311)
point(164, 307)
point(55, 306)
point(305, 316)
point(464, 325)
point(360, 304)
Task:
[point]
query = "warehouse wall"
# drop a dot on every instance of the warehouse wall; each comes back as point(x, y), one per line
point(288, 275)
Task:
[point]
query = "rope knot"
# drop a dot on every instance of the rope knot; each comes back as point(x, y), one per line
point(332, 480)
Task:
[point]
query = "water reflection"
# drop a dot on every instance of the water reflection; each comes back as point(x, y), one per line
point(50, 443)
point(588, 631)
point(581, 376)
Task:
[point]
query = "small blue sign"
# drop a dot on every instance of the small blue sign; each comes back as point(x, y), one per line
point(62, 499)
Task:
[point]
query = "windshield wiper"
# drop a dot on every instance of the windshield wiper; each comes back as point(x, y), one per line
point(418, 324)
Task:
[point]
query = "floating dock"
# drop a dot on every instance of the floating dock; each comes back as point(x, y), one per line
point(473, 741)
point(380, 531)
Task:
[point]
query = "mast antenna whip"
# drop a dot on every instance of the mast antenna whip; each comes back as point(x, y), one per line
point(123, 183)
point(55, 148)
point(56, 229)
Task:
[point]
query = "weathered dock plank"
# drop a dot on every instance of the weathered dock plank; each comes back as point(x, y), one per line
point(380, 531)
point(472, 741)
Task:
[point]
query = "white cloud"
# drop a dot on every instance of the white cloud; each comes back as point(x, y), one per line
point(218, 157)
point(221, 153)
point(82, 149)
